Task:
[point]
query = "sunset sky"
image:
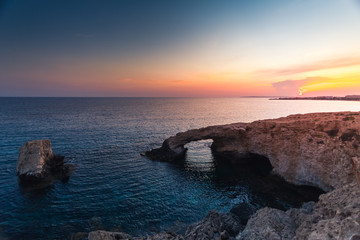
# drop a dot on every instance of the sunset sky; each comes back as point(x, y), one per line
point(188, 48)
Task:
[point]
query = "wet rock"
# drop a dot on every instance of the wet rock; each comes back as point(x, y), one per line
point(39, 166)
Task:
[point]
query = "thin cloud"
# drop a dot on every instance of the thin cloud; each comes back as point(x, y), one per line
point(320, 65)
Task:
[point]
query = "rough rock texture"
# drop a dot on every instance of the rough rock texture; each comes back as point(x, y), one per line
point(317, 149)
point(335, 216)
point(33, 156)
point(269, 223)
point(38, 165)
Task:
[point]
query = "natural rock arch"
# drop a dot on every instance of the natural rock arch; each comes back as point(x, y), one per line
point(318, 149)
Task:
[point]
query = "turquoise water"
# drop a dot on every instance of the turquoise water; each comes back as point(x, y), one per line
point(113, 187)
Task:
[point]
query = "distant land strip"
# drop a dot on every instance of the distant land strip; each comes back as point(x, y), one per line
point(346, 98)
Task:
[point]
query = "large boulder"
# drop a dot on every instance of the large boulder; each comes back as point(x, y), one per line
point(38, 165)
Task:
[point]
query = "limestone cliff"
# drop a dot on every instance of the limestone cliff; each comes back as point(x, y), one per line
point(317, 149)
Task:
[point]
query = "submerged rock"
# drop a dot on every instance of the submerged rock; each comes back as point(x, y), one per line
point(38, 165)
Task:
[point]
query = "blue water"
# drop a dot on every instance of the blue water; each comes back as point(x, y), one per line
point(113, 187)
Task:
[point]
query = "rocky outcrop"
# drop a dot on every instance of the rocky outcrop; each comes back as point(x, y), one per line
point(335, 216)
point(215, 226)
point(269, 223)
point(317, 149)
point(38, 165)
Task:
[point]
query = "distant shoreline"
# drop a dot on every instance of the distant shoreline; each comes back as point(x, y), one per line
point(346, 98)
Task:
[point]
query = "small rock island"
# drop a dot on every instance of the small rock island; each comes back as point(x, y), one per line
point(38, 165)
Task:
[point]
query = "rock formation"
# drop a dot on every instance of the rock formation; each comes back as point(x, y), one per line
point(37, 164)
point(317, 149)
point(335, 216)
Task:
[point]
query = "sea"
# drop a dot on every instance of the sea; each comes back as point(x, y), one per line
point(115, 188)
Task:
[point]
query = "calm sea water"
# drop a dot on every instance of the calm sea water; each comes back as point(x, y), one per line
point(113, 187)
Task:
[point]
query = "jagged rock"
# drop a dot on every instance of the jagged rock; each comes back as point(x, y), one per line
point(104, 235)
point(38, 165)
point(269, 224)
point(316, 149)
point(214, 226)
point(335, 216)
point(163, 236)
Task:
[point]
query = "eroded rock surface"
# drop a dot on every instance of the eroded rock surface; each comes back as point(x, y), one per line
point(335, 216)
point(38, 165)
point(314, 149)
point(33, 156)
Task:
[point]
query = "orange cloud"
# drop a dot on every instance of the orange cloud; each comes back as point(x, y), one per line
point(318, 85)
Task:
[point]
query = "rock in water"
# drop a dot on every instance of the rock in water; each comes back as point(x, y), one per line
point(37, 164)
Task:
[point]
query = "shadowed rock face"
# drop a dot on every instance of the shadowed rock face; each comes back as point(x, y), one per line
point(38, 166)
point(317, 149)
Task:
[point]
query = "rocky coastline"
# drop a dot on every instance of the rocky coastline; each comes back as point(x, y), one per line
point(318, 149)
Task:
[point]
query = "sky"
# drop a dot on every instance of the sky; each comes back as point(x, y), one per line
point(187, 48)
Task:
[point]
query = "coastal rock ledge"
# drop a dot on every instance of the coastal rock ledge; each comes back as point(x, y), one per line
point(39, 166)
point(316, 149)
